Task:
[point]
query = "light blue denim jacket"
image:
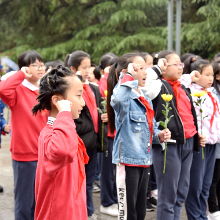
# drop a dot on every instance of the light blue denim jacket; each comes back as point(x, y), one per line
point(132, 140)
point(217, 144)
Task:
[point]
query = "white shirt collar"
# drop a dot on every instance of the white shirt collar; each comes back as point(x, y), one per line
point(29, 85)
point(201, 88)
point(51, 120)
point(137, 93)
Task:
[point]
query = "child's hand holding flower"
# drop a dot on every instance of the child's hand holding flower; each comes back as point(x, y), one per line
point(104, 117)
point(164, 135)
point(64, 105)
point(202, 140)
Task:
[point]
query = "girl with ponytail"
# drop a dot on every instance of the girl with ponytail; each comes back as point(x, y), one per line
point(62, 154)
point(89, 123)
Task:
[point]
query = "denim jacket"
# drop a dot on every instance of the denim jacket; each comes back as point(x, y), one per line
point(132, 140)
point(3, 122)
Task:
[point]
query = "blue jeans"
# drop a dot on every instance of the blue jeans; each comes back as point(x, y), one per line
point(24, 189)
point(200, 181)
point(172, 185)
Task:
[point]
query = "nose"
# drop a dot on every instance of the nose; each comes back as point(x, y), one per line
point(83, 103)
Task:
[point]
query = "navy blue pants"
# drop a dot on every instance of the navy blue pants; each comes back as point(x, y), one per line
point(200, 181)
point(24, 189)
point(90, 169)
point(107, 183)
point(172, 185)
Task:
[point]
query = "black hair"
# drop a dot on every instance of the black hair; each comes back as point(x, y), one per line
point(184, 57)
point(52, 83)
point(75, 58)
point(112, 80)
point(144, 55)
point(163, 54)
point(96, 71)
point(216, 69)
point(217, 55)
point(53, 64)
point(195, 63)
point(28, 57)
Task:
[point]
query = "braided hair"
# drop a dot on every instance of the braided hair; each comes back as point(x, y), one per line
point(52, 83)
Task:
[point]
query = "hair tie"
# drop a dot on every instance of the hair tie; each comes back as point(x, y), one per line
point(192, 60)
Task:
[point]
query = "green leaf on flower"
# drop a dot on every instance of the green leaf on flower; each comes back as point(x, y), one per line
point(169, 108)
point(164, 106)
point(206, 116)
point(201, 110)
point(162, 124)
point(170, 118)
point(203, 101)
point(199, 101)
point(100, 111)
point(164, 113)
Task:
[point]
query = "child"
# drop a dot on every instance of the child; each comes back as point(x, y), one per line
point(214, 211)
point(135, 131)
point(89, 123)
point(94, 74)
point(19, 93)
point(201, 172)
point(173, 185)
point(60, 177)
point(108, 194)
point(148, 59)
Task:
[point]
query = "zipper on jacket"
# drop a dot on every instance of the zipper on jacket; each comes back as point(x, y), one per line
point(177, 114)
point(119, 161)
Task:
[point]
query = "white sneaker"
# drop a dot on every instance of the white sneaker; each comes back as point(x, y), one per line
point(214, 215)
point(92, 217)
point(154, 193)
point(110, 210)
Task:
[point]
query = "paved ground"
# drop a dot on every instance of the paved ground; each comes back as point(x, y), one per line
point(6, 180)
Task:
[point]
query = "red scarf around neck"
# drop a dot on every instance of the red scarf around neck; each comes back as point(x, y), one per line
point(90, 101)
point(215, 106)
point(175, 85)
point(83, 159)
point(150, 117)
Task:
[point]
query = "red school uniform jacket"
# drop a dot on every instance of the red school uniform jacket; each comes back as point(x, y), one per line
point(57, 175)
point(19, 95)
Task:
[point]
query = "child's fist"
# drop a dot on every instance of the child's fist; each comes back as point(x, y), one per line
point(26, 71)
point(202, 140)
point(104, 117)
point(132, 69)
point(64, 105)
point(162, 63)
point(7, 128)
point(106, 70)
point(165, 135)
point(195, 76)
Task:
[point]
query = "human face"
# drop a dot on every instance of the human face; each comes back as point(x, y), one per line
point(174, 68)
point(74, 95)
point(91, 76)
point(140, 68)
point(149, 61)
point(84, 67)
point(206, 78)
point(37, 70)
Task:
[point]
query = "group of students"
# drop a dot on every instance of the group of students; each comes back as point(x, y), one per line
point(54, 152)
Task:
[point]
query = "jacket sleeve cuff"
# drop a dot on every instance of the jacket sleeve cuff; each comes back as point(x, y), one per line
point(127, 77)
point(64, 114)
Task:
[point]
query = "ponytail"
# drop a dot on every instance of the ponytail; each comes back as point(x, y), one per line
point(52, 83)
point(216, 68)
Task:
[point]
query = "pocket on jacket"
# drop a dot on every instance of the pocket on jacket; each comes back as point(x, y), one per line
point(138, 122)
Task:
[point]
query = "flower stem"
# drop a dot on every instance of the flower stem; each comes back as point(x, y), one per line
point(165, 156)
point(201, 134)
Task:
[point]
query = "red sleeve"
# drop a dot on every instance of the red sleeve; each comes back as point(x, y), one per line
point(126, 77)
point(103, 84)
point(8, 88)
point(61, 146)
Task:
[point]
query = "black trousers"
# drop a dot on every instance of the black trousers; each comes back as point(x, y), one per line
point(214, 192)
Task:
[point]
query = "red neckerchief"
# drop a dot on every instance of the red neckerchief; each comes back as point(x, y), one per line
point(150, 116)
point(215, 105)
point(83, 159)
point(175, 85)
point(89, 98)
point(45, 111)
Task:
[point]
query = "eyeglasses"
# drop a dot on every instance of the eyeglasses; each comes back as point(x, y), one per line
point(37, 67)
point(179, 66)
point(143, 68)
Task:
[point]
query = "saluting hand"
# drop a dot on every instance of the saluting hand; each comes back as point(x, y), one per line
point(26, 71)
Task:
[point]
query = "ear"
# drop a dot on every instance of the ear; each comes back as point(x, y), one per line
point(73, 69)
point(217, 77)
point(55, 99)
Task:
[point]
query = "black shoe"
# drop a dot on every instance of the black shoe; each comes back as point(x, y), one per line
point(149, 207)
point(152, 201)
point(1, 189)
